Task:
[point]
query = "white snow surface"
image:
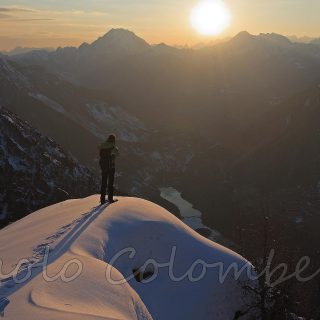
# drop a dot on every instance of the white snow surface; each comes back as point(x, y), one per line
point(47, 101)
point(78, 231)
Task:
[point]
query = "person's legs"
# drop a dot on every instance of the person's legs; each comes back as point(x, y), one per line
point(104, 184)
point(110, 185)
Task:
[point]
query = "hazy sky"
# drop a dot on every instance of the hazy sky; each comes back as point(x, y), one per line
point(52, 23)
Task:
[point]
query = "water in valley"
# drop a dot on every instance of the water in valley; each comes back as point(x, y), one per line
point(190, 216)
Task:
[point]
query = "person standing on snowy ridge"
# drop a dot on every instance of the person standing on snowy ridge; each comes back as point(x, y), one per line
point(108, 153)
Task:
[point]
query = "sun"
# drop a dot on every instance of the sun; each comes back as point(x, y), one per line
point(211, 17)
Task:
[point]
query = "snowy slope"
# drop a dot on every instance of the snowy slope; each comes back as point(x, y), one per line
point(77, 231)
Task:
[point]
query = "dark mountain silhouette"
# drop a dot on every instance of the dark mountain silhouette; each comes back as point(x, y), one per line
point(37, 96)
point(303, 39)
point(73, 115)
point(35, 171)
point(276, 38)
point(233, 125)
point(79, 119)
point(316, 41)
point(23, 50)
point(288, 152)
point(216, 114)
point(120, 40)
point(278, 155)
point(243, 37)
point(152, 81)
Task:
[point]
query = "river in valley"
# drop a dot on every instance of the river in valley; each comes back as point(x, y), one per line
point(190, 216)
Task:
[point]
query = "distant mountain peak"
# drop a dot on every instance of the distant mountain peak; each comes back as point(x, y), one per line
point(243, 35)
point(120, 39)
point(120, 32)
point(245, 38)
point(275, 37)
point(315, 41)
point(242, 38)
point(23, 50)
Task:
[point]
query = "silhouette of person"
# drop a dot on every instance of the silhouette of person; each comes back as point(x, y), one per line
point(108, 154)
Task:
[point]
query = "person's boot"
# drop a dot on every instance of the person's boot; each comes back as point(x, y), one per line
point(103, 200)
point(110, 195)
point(111, 199)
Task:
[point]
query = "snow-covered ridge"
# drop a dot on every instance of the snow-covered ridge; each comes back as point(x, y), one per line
point(47, 101)
point(101, 115)
point(82, 241)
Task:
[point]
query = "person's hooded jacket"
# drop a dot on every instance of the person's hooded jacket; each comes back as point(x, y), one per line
point(108, 154)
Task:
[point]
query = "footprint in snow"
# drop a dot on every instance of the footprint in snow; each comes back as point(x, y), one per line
point(3, 304)
point(41, 249)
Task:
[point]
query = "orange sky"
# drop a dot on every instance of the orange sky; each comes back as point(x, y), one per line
point(45, 23)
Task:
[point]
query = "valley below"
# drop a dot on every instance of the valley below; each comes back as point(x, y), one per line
point(225, 137)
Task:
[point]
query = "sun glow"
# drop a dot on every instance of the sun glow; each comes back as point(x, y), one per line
point(211, 17)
